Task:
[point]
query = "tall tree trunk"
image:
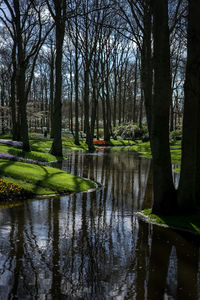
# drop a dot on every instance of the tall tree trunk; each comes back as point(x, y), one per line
point(119, 100)
point(2, 105)
point(15, 134)
point(164, 191)
point(108, 108)
point(141, 107)
point(189, 191)
point(20, 82)
point(76, 137)
point(56, 148)
point(135, 90)
point(146, 64)
point(94, 98)
point(115, 98)
point(71, 97)
point(51, 92)
point(89, 138)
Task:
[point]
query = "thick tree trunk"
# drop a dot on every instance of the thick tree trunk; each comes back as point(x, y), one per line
point(56, 148)
point(164, 191)
point(189, 191)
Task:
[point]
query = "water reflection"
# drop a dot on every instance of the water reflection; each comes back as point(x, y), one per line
point(92, 246)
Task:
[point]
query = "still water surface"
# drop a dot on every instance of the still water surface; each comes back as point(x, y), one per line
point(91, 245)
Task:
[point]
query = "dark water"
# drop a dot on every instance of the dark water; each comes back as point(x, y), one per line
point(91, 245)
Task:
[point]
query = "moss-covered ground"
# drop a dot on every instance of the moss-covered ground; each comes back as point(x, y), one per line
point(20, 179)
point(189, 223)
point(44, 180)
point(41, 179)
point(144, 149)
point(31, 176)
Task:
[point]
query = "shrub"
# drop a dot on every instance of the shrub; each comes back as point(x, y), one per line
point(130, 131)
point(176, 135)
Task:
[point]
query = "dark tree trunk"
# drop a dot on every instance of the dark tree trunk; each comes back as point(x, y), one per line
point(76, 137)
point(189, 191)
point(171, 117)
point(71, 98)
point(108, 110)
point(56, 148)
point(164, 191)
point(12, 101)
point(146, 64)
point(115, 96)
point(135, 91)
point(141, 108)
point(51, 92)
point(20, 82)
point(2, 105)
point(119, 101)
point(89, 138)
point(94, 98)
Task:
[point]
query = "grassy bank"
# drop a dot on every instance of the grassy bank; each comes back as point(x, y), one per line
point(40, 179)
point(189, 223)
point(21, 179)
point(145, 150)
point(40, 149)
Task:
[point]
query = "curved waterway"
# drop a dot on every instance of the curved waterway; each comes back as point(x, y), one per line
point(92, 245)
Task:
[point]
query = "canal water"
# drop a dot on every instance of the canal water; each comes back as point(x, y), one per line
point(92, 245)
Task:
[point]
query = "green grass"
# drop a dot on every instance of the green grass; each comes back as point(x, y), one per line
point(45, 145)
point(47, 178)
point(40, 149)
point(69, 144)
point(35, 155)
point(121, 143)
point(145, 151)
point(39, 190)
point(189, 222)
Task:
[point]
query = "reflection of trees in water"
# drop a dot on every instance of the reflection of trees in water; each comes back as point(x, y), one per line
point(91, 246)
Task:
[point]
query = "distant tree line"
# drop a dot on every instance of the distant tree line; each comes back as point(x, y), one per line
point(81, 65)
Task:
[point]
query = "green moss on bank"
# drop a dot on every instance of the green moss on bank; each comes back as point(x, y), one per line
point(36, 155)
point(188, 223)
point(43, 180)
point(28, 186)
point(145, 150)
point(121, 143)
